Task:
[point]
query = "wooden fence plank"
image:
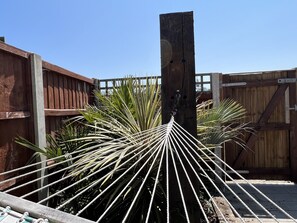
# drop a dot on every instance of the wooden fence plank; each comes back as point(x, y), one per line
point(61, 92)
point(66, 92)
point(74, 94)
point(56, 91)
point(178, 93)
point(263, 119)
point(293, 131)
point(50, 89)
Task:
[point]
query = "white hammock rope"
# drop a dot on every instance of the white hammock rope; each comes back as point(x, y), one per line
point(218, 177)
point(169, 149)
point(187, 175)
point(209, 179)
point(99, 180)
point(122, 175)
point(193, 140)
point(141, 137)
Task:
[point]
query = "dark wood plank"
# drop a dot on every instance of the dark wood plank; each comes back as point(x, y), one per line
point(271, 126)
point(293, 122)
point(178, 68)
point(45, 89)
point(66, 92)
point(79, 94)
point(178, 84)
point(74, 95)
point(282, 173)
point(70, 92)
point(61, 92)
point(280, 92)
point(51, 99)
point(56, 91)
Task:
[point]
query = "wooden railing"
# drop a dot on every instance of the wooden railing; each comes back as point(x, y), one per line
point(203, 83)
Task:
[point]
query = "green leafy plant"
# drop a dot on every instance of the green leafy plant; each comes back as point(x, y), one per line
point(220, 124)
point(106, 135)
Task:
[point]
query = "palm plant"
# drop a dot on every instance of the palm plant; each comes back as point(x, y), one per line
point(108, 135)
point(221, 124)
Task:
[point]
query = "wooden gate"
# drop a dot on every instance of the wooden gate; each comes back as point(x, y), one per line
point(270, 101)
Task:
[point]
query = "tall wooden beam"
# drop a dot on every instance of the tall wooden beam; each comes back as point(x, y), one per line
point(178, 68)
point(178, 93)
point(39, 118)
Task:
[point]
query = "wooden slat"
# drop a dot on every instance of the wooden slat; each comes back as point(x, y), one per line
point(14, 115)
point(62, 112)
point(263, 119)
point(65, 72)
point(74, 94)
point(56, 91)
point(61, 92)
point(50, 90)
point(66, 93)
point(269, 126)
point(45, 89)
point(293, 132)
point(178, 74)
point(13, 50)
point(252, 172)
point(38, 210)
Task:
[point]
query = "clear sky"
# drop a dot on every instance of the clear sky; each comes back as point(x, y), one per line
point(116, 38)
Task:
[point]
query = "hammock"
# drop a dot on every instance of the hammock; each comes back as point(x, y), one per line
point(168, 154)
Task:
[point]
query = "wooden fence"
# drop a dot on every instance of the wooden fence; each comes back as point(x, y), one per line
point(270, 101)
point(203, 83)
point(29, 101)
point(35, 96)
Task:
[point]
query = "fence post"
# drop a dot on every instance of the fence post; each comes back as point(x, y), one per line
point(216, 86)
point(178, 93)
point(293, 123)
point(39, 117)
point(96, 88)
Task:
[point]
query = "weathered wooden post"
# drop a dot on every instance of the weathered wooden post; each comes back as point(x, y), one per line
point(39, 118)
point(293, 128)
point(178, 93)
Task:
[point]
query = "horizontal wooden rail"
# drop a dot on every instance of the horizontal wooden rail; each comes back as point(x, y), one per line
point(269, 126)
point(13, 50)
point(39, 211)
point(14, 115)
point(62, 112)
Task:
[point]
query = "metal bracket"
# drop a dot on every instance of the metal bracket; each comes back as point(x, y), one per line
point(293, 109)
point(286, 80)
point(234, 84)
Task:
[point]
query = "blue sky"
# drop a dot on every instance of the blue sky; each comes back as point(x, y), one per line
point(116, 38)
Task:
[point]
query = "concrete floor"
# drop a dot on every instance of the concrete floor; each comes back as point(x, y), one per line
point(283, 193)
